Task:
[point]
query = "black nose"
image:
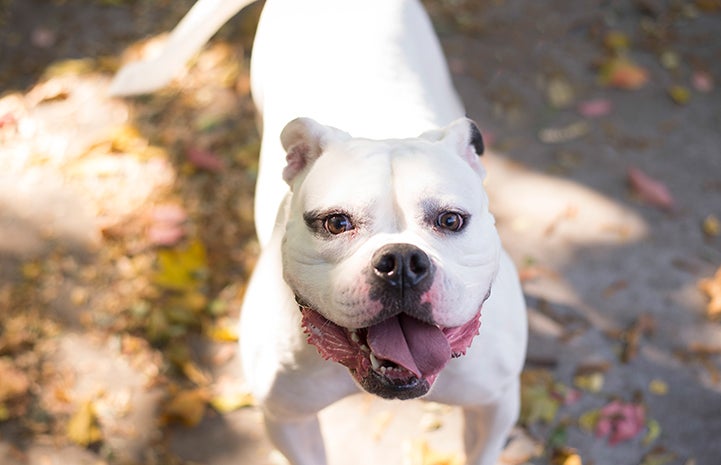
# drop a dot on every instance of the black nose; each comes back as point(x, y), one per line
point(401, 265)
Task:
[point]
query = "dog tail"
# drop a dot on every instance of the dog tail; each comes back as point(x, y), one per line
point(188, 37)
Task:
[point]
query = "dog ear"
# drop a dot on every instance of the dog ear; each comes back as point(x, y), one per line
point(464, 138)
point(304, 140)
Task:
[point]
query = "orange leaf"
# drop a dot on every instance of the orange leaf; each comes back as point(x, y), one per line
point(622, 73)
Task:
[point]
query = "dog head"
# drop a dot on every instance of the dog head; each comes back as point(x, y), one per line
point(390, 249)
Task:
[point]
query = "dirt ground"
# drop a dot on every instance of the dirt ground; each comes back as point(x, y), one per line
point(126, 236)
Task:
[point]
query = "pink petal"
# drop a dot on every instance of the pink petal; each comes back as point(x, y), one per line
point(702, 81)
point(204, 159)
point(595, 108)
point(650, 190)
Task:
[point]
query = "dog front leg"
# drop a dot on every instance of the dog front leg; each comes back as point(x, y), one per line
point(487, 427)
point(300, 440)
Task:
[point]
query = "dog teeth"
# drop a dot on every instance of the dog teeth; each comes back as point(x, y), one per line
point(365, 348)
point(354, 337)
point(374, 362)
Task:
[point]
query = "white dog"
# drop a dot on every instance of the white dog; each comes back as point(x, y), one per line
point(383, 254)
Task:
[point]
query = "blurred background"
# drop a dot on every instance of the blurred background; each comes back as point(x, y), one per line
point(126, 235)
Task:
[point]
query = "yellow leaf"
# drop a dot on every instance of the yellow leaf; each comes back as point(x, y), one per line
point(224, 333)
point(185, 407)
point(658, 387)
point(182, 268)
point(229, 402)
point(419, 452)
point(654, 431)
point(195, 374)
point(83, 427)
point(591, 382)
point(588, 420)
point(711, 226)
point(616, 41)
point(679, 94)
point(4, 413)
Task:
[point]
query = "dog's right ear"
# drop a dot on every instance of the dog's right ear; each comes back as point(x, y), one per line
point(304, 140)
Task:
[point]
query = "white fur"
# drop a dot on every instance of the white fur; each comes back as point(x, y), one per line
point(373, 68)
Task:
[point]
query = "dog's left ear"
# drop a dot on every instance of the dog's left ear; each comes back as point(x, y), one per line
point(464, 138)
point(304, 140)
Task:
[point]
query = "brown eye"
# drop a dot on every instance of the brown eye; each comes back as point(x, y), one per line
point(337, 224)
point(450, 221)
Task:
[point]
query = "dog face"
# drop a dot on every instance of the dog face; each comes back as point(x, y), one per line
point(390, 250)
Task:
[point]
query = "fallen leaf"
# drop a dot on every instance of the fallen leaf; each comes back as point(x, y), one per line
point(232, 401)
point(559, 93)
point(563, 134)
point(83, 427)
point(13, 382)
point(658, 456)
point(591, 382)
point(595, 108)
point(204, 159)
point(419, 452)
point(620, 421)
point(650, 190)
point(186, 407)
point(521, 449)
point(679, 94)
point(622, 73)
point(654, 431)
point(658, 387)
point(711, 226)
point(182, 268)
point(712, 288)
point(566, 456)
point(588, 420)
point(702, 81)
point(616, 41)
point(538, 403)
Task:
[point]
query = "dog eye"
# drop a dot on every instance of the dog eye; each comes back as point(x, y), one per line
point(450, 221)
point(337, 223)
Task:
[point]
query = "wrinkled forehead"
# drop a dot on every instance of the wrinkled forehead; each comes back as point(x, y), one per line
point(361, 171)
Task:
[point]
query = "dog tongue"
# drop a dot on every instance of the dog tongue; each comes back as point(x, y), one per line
point(416, 346)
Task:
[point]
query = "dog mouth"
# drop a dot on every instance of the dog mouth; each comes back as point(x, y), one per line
point(400, 357)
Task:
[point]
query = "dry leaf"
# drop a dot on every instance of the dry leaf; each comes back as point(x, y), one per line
point(679, 94)
point(622, 73)
point(620, 421)
point(538, 402)
point(712, 288)
point(232, 401)
point(183, 268)
point(654, 431)
point(591, 382)
point(711, 226)
point(13, 382)
point(83, 427)
point(186, 407)
point(658, 387)
point(205, 159)
point(521, 449)
point(702, 81)
point(419, 452)
point(658, 456)
point(650, 190)
point(595, 108)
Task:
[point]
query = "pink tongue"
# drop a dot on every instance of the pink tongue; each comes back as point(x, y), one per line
point(416, 346)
